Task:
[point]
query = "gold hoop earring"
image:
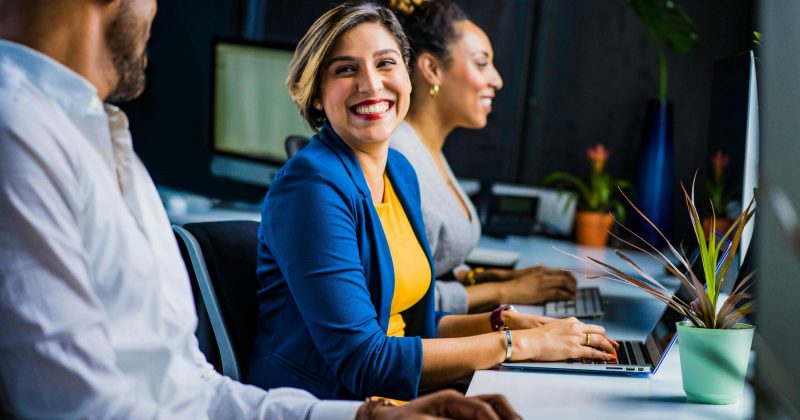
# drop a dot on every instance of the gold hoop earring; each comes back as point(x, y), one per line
point(317, 106)
point(434, 90)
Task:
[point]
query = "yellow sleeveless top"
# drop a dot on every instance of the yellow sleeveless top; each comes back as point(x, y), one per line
point(412, 272)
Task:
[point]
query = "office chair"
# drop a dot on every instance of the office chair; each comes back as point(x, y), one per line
point(293, 144)
point(221, 257)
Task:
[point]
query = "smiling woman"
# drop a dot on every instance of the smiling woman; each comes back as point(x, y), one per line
point(455, 82)
point(345, 272)
point(365, 87)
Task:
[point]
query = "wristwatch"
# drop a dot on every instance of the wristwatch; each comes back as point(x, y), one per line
point(496, 318)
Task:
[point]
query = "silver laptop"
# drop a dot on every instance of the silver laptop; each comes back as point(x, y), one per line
point(588, 303)
point(633, 357)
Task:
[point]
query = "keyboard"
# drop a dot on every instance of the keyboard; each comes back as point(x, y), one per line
point(626, 355)
point(587, 304)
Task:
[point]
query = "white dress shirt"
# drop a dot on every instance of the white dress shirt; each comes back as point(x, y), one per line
point(96, 311)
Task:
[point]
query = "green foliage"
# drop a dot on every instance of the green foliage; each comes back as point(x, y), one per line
point(668, 25)
point(596, 195)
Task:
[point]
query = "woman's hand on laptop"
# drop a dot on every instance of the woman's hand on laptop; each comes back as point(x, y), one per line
point(536, 285)
point(563, 339)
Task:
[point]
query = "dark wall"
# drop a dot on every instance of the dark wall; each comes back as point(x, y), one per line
point(170, 121)
point(593, 72)
point(576, 73)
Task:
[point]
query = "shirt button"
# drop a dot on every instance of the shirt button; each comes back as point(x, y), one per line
point(94, 103)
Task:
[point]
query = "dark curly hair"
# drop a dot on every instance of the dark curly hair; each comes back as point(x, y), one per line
point(429, 25)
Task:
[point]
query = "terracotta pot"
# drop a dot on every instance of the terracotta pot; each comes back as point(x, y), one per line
point(723, 224)
point(591, 228)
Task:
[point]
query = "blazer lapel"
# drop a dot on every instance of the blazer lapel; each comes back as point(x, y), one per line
point(380, 263)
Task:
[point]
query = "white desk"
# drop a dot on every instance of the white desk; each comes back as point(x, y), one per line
point(630, 314)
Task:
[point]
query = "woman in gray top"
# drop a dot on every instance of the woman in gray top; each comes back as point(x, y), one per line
point(454, 82)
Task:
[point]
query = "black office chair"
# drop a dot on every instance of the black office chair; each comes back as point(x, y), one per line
point(221, 257)
point(293, 144)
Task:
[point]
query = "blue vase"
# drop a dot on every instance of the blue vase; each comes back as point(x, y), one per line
point(654, 178)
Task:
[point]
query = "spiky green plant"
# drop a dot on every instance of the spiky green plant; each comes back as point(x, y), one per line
point(703, 311)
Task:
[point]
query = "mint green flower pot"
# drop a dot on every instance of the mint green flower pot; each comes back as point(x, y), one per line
point(714, 362)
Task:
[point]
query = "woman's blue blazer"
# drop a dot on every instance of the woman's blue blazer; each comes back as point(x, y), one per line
point(326, 280)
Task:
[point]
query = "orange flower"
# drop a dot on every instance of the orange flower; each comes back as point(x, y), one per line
point(718, 162)
point(598, 156)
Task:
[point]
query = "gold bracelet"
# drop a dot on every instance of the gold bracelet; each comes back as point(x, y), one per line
point(472, 274)
point(367, 410)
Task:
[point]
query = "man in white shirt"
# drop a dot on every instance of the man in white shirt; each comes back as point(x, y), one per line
point(96, 307)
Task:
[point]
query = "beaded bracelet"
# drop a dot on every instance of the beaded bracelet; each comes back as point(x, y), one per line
point(472, 275)
point(367, 410)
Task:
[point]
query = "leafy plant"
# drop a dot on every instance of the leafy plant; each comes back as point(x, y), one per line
point(596, 194)
point(703, 311)
point(668, 26)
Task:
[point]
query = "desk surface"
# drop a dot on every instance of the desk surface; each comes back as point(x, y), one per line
point(630, 314)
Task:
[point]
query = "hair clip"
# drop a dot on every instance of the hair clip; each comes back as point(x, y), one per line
point(405, 6)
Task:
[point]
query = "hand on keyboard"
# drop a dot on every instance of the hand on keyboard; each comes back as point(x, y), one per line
point(536, 285)
point(565, 339)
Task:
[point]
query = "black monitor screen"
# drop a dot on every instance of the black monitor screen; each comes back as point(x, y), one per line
point(253, 112)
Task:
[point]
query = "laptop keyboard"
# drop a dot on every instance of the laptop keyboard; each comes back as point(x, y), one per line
point(625, 356)
point(586, 304)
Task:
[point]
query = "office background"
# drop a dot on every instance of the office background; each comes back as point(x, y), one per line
point(576, 73)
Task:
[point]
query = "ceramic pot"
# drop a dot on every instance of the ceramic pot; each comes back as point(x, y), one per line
point(723, 224)
point(591, 228)
point(714, 362)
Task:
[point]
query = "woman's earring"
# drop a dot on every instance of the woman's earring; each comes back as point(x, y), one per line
point(317, 105)
point(434, 90)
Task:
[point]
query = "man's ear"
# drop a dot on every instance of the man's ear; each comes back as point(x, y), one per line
point(430, 68)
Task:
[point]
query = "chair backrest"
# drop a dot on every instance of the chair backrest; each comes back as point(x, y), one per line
point(222, 257)
point(293, 144)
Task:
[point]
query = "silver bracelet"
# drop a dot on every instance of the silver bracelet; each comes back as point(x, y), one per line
point(508, 344)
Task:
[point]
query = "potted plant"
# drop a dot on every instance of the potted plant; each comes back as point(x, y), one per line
point(714, 345)
point(668, 27)
point(718, 195)
point(593, 220)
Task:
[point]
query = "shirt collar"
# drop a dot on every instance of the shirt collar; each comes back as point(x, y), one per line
point(76, 95)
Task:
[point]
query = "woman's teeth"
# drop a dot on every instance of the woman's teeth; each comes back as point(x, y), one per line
point(378, 108)
point(486, 101)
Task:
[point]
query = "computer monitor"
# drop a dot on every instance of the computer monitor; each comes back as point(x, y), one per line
point(734, 128)
point(252, 112)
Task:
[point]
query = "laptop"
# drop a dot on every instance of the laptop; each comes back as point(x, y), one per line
point(633, 357)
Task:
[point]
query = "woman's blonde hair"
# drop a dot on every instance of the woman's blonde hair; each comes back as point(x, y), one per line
point(309, 58)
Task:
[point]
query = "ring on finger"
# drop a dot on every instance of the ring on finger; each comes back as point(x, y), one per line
point(589, 339)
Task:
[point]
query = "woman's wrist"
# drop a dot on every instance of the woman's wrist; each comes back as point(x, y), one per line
point(502, 344)
point(504, 294)
point(495, 275)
